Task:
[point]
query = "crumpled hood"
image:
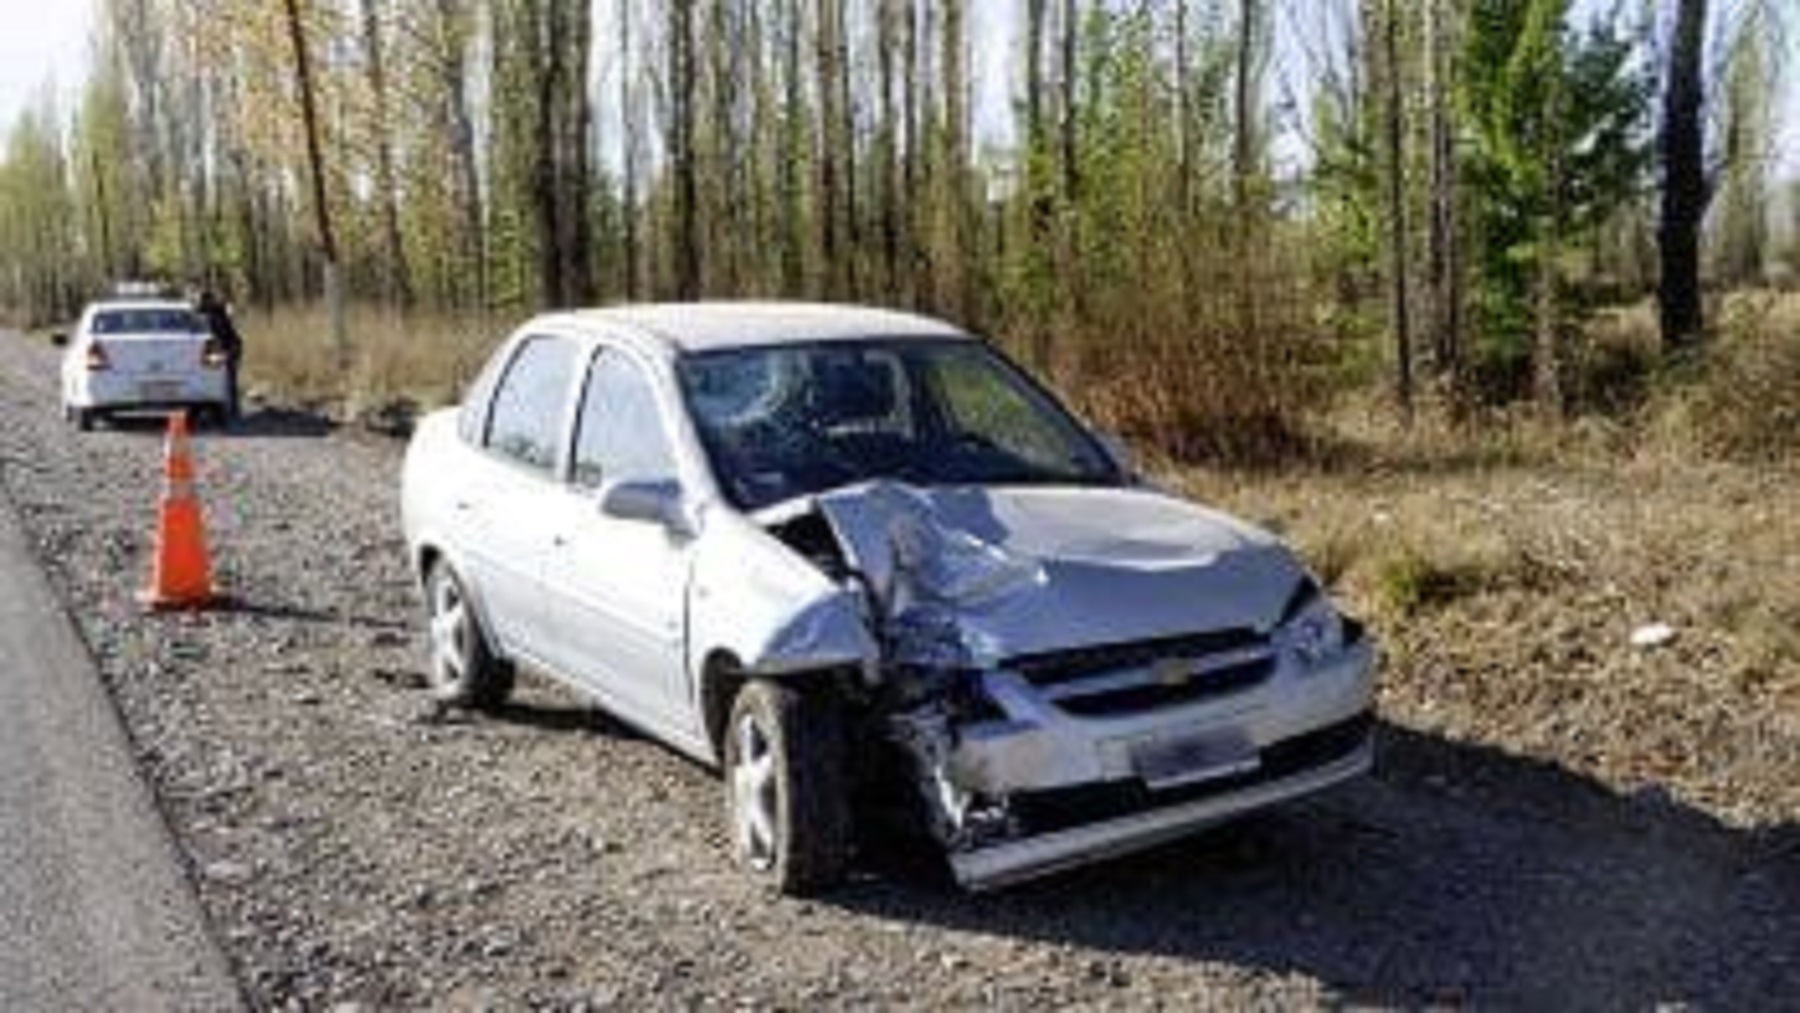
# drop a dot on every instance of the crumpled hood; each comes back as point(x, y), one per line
point(996, 572)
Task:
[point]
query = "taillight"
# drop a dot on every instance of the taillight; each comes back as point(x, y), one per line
point(96, 358)
point(212, 354)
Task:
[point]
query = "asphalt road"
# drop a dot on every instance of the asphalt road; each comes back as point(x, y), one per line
point(95, 910)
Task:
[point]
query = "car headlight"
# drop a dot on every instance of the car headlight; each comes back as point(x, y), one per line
point(1312, 627)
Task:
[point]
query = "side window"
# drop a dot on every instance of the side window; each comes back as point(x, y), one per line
point(619, 434)
point(526, 421)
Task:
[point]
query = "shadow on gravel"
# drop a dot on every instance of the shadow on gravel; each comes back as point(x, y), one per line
point(1459, 873)
point(296, 613)
point(563, 718)
point(265, 422)
point(268, 421)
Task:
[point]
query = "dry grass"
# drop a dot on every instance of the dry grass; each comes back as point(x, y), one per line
point(422, 359)
point(1505, 588)
point(1741, 399)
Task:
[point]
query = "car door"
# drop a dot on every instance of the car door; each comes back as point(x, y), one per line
point(620, 585)
point(504, 498)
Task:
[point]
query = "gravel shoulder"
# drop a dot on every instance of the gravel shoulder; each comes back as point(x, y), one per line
point(352, 844)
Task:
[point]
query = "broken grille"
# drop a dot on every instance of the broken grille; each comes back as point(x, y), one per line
point(1118, 679)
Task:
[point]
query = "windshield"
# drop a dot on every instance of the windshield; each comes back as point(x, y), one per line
point(146, 320)
point(787, 420)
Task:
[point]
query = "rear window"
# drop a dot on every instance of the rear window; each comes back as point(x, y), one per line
point(146, 321)
point(525, 423)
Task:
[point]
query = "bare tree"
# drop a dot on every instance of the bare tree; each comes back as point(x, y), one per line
point(1395, 134)
point(683, 73)
point(828, 54)
point(1685, 192)
point(396, 280)
point(633, 147)
point(1246, 102)
point(334, 292)
point(452, 56)
point(1443, 261)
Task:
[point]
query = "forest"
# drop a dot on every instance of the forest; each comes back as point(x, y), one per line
point(1209, 220)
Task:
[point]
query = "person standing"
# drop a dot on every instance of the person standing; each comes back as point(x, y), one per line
point(218, 321)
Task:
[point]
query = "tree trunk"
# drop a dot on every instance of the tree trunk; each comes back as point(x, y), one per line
point(577, 157)
point(955, 163)
point(453, 65)
point(846, 133)
point(628, 115)
point(1185, 126)
point(1396, 194)
point(334, 290)
point(791, 156)
point(830, 200)
point(887, 38)
point(1444, 286)
point(1685, 194)
point(396, 279)
point(912, 173)
point(1244, 138)
point(682, 74)
point(1071, 77)
point(1547, 356)
point(1038, 189)
point(1069, 301)
point(541, 46)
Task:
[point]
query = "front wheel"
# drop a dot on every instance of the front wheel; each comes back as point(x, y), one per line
point(786, 786)
point(463, 669)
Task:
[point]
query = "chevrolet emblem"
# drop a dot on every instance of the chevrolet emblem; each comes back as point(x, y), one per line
point(1173, 672)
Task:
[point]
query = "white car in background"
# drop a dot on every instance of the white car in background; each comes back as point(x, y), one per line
point(839, 550)
point(128, 355)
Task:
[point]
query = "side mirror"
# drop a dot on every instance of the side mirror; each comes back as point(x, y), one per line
point(59, 338)
point(658, 501)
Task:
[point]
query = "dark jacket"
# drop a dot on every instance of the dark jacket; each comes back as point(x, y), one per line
point(218, 320)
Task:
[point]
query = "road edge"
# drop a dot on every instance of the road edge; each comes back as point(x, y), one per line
point(119, 835)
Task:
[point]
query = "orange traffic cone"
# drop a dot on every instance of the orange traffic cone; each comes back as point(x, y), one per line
point(182, 578)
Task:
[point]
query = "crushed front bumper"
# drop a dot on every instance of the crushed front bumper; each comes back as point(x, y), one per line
point(1001, 864)
point(1059, 788)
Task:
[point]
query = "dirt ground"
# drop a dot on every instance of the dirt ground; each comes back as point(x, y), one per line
point(1558, 817)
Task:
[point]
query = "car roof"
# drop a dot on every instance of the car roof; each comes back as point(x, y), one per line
point(708, 326)
point(114, 303)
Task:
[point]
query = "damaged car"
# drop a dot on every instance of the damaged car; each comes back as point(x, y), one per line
point(844, 553)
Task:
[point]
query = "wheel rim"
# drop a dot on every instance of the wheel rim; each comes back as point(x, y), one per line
point(449, 631)
point(753, 794)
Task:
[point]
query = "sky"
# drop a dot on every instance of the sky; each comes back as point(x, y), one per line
point(45, 41)
point(41, 41)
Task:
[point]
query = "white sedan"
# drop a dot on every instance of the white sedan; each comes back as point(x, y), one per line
point(141, 355)
point(834, 549)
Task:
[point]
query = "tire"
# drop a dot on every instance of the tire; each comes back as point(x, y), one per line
point(84, 419)
point(461, 669)
point(786, 787)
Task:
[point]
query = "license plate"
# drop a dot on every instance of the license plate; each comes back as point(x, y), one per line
point(1175, 760)
point(159, 390)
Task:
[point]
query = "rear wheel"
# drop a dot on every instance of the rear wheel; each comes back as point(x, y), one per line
point(84, 418)
point(463, 669)
point(786, 787)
